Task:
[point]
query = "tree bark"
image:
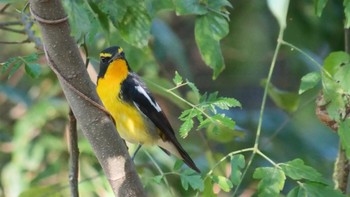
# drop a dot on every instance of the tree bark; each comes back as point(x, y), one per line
point(96, 125)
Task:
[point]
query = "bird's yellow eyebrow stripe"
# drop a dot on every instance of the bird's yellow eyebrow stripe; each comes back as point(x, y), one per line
point(105, 55)
point(120, 50)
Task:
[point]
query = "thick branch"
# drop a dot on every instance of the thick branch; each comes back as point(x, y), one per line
point(96, 125)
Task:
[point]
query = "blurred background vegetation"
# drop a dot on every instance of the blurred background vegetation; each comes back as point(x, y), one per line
point(33, 112)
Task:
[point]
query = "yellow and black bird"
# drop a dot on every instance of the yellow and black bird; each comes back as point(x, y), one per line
point(138, 117)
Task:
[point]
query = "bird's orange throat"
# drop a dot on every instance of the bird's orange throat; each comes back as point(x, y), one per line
point(116, 72)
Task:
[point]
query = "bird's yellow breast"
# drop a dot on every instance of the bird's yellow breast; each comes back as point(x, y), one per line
point(129, 122)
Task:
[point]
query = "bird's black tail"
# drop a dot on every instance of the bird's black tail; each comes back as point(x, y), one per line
point(180, 152)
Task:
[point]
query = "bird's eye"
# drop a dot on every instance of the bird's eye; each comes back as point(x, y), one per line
point(104, 59)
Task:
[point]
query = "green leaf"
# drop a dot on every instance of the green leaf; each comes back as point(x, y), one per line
point(14, 63)
point(51, 191)
point(237, 163)
point(344, 134)
point(193, 180)
point(272, 181)
point(102, 17)
point(288, 101)
point(279, 9)
point(33, 69)
point(135, 26)
point(157, 179)
point(221, 119)
point(14, 68)
point(222, 134)
point(186, 127)
point(297, 170)
point(219, 4)
point(194, 89)
point(341, 76)
point(177, 79)
point(319, 6)
point(334, 60)
point(309, 81)
point(154, 6)
point(223, 182)
point(189, 7)
point(114, 9)
point(178, 164)
point(314, 190)
point(208, 189)
point(333, 96)
point(346, 4)
point(82, 19)
point(31, 58)
point(212, 25)
point(209, 29)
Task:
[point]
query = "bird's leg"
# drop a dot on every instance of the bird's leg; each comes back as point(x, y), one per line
point(137, 150)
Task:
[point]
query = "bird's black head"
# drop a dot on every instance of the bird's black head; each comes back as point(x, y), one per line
point(107, 56)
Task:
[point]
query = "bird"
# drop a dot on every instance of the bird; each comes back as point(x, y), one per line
point(139, 118)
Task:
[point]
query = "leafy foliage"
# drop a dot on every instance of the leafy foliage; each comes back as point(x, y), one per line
point(297, 170)
point(314, 189)
point(285, 100)
point(272, 180)
point(206, 110)
point(189, 178)
point(237, 163)
point(309, 81)
point(32, 68)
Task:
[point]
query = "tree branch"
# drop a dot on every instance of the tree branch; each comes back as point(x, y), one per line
point(73, 155)
point(96, 125)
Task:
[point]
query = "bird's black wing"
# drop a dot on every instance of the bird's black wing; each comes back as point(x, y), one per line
point(136, 93)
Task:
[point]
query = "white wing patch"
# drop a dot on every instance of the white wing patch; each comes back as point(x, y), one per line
point(144, 93)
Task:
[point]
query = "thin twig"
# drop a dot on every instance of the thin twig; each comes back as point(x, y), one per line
point(4, 8)
point(160, 171)
point(10, 23)
point(12, 30)
point(74, 155)
point(15, 42)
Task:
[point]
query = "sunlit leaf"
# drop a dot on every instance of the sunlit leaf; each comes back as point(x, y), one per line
point(223, 182)
point(272, 181)
point(186, 127)
point(334, 60)
point(177, 79)
point(309, 81)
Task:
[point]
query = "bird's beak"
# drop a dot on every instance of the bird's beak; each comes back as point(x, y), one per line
point(116, 56)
